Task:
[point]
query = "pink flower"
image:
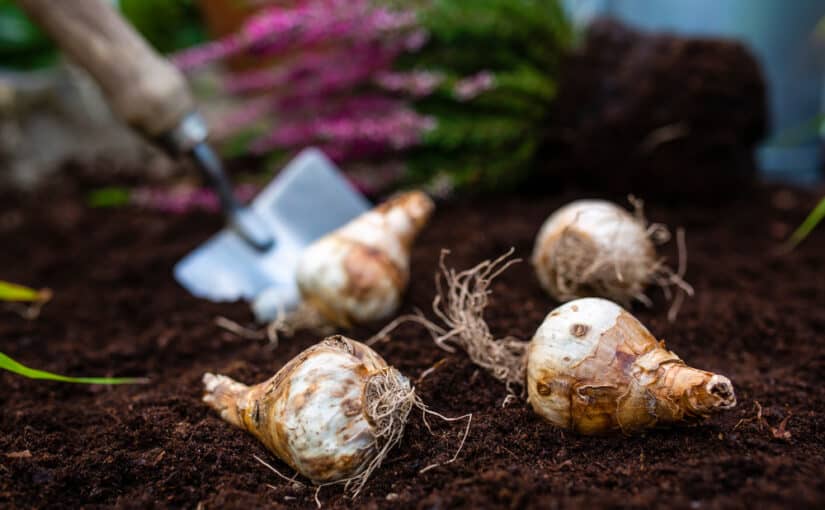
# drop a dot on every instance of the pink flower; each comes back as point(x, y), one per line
point(332, 70)
point(392, 130)
point(186, 200)
point(416, 40)
point(324, 92)
point(242, 116)
point(277, 29)
point(415, 83)
point(473, 86)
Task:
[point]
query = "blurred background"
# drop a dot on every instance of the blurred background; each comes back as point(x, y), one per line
point(785, 39)
point(683, 97)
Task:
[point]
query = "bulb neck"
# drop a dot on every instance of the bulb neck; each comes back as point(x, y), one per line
point(406, 214)
point(697, 392)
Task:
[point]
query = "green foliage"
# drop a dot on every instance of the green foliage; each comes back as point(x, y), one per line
point(492, 140)
point(6, 363)
point(800, 134)
point(22, 45)
point(168, 25)
point(795, 136)
point(14, 292)
point(237, 145)
point(820, 28)
point(807, 226)
point(109, 197)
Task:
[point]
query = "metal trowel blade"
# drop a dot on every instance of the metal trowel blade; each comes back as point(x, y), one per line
point(308, 199)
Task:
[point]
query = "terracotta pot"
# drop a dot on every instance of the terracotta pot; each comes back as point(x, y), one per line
point(223, 17)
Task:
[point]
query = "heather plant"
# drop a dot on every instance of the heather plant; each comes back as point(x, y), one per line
point(457, 91)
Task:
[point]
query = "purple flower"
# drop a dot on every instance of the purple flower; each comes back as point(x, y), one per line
point(242, 116)
point(186, 200)
point(393, 130)
point(473, 86)
point(331, 87)
point(415, 83)
point(277, 29)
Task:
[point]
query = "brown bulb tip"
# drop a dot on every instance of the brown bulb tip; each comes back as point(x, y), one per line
point(720, 388)
point(416, 205)
point(419, 206)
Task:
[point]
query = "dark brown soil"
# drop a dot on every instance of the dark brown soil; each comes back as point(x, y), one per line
point(757, 318)
point(680, 116)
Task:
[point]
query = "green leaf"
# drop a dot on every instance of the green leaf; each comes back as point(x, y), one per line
point(807, 226)
point(168, 25)
point(799, 134)
point(14, 292)
point(820, 28)
point(14, 367)
point(492, 140)
point(22, 44)
point(109, 197)
point(494, 34)
point(237, 145)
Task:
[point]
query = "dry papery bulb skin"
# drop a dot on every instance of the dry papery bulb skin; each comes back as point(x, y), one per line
point(593, 368)
point(596, 248)
point(331, 413)
point(358, 273)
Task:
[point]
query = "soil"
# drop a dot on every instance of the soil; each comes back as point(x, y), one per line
point(679, 116)
point(756, 317)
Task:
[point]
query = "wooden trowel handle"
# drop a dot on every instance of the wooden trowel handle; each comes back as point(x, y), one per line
point(143, 88)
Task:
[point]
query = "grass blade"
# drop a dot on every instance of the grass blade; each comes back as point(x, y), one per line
point(109, 197)
point(807, 226)
point(13, 292)
point(800, 134)
point(14, 367)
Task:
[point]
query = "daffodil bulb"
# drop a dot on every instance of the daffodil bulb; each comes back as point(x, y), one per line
point(358, 273)
point(592, 367)
point(331, 413)
point(596, 248)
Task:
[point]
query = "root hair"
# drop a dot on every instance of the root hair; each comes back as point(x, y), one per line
point(305, 317)
point(389, 398)
point(602, 275)
point(238, 329)
point(460, 301)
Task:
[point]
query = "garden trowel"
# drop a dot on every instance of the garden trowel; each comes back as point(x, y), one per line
point(254, 258)
point(308, 199)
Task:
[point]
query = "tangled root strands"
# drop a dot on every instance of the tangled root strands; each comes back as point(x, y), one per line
point(416, 317)
point(239, 330)
point(294, 479)
point(667, 278)
point(460, 301)
point(461, 298)
point(305, 317)
point(469, 417)
point(389, 398)
point(659, 234)
point(621, 289)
